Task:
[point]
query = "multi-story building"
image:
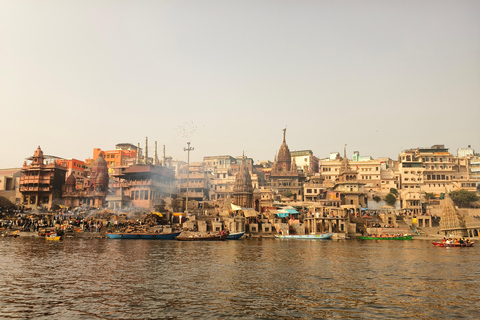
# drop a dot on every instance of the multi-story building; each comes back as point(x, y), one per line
point(9, 184)
point(474, 167)
point(42, 181)
point(369, 171)
point(141, 186)
point(74, 167)
point(196, 180)
point(306, 162)
point(350, 189)
point(118, 157)
point(212, 163)
point(411, 179)
point(432, 170)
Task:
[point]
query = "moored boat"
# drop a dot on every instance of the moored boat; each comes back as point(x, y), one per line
point(202, 237)
point(235, 236)
point(405, 237)
point(53, 236)
point(322, 236)
point(444, 244)
point(144, 236)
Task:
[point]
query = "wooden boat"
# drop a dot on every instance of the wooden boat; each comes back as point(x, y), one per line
point(443, 244)
point(53, 237)
point(322, 236)
point(14, 234)
point(408, 237)
point(199, 237)
point(57, 238)
point(144, 236)
point(235, 236)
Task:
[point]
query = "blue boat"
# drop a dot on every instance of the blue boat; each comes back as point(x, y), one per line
point(322, 236)
point(144, 236)
point(235, 236)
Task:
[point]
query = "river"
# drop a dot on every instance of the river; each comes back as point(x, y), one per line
point(246, 279)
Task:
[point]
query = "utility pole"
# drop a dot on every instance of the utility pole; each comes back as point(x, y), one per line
point(188, 149)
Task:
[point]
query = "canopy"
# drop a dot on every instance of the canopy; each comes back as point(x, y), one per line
point(282, 214)
point(158, 214)
point(292, 211)
point(249, 212)
point(178, 214)
point(235, 207)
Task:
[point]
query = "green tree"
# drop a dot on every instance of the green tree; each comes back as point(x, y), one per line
point(394, 192)
point(390, 199)
point(463, 198)
point(429, 196)
point(377, 199)
point(288, 194)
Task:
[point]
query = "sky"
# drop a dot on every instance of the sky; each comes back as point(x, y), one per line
point(228, 76)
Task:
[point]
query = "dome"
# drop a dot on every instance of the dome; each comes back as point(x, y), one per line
point(99, 166)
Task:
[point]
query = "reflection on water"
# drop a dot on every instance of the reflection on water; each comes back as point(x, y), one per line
point(252, 279)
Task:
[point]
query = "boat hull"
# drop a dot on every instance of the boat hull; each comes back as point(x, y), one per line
point(205, 238)
point(323, 236)
point(144, 236)
point(441, 244)
point(386, 238)
point(235, 236)
point(57, 238)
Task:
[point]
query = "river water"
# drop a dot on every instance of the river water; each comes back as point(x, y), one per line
point(246, 279)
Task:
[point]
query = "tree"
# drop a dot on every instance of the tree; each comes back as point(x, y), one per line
point(429, 196)
point(377, 199)
point(390, 199)
point(288, 194)
point(463, 197)
point(394, 192)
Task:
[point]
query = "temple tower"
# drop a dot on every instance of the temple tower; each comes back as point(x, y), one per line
point(243, 189)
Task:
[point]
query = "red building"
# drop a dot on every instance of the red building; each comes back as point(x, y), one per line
point(42, 181)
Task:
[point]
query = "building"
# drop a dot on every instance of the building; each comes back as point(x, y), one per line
point(350, 189)
point(306, 162)
point(213, 163)
point(465, 152)
point(196, 180)
point(9, 184)
point(285, 180)
point(243, 189)
point(75, 167)
point(94, 190)
point(42, 181)
point(141, 186)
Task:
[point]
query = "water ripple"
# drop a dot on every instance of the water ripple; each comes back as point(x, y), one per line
point(252, 279)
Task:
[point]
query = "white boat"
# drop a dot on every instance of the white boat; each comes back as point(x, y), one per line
point(321, 236)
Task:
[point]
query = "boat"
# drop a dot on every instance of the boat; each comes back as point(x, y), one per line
point(322, 236)
point(404, 237)
point(144, 236)
point(57, 238)
point(201, 237)
point(52, 237)
point(235, 236)
point(444, 244)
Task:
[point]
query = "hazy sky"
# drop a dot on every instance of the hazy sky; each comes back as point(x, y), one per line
point(379, 76)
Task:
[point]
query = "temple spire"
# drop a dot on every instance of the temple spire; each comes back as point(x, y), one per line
point(284, 133)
